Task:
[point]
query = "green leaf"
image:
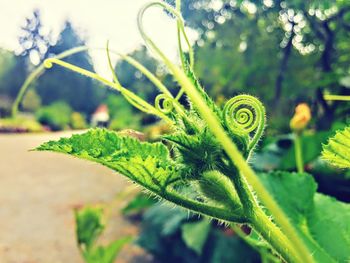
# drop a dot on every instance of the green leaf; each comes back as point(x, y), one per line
point(294, 192)
point(337, 150)
point(148, 164)
point(106, 254)
point(345, 81)
point(320, 220)
point(138, 204)
point(89, 225)
point(195, 234)
point(183, 140)
point(329, 224)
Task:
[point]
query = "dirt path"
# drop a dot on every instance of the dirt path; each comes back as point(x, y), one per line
point(37, 193)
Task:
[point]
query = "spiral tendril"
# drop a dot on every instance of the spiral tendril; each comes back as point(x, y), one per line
point(164, 103)
point(245, 114)
point(47, 63)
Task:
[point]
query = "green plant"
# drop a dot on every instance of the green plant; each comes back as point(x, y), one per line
point(172, 235)
point(298, 123)
point(20, 124)
point(57, 115)
point(77, 121)
point(336, 151)
point(207, 170)
point(122, 114)
point(89, 226)
point(31, 101)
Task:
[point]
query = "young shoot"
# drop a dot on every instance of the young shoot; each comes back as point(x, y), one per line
point(206, 169)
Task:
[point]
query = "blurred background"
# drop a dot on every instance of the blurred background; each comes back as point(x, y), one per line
point(283, 52)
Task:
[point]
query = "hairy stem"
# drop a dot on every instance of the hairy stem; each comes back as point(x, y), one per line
point(259, 220)
point(215, 212)
point(300, 252)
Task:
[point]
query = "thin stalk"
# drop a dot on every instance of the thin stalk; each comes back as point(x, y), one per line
point(337, 97)
point(181, 26)
point(132, 98)
point(181, 53)
point(41, 69)
point(298, 153)
point(179, 108)
point(36, 73)
point(24, 88)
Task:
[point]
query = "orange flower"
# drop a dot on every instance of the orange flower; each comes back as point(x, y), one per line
point(301, 117)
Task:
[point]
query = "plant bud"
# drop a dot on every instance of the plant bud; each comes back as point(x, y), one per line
point(301, 118)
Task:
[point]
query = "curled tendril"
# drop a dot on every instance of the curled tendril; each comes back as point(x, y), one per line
point(164, 103)
point(245, 114)
point(47, 63)
point(180, 32)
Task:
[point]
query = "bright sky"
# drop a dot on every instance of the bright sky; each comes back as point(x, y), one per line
point(96, 20)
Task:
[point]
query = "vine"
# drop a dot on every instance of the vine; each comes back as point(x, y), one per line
point(211, 145)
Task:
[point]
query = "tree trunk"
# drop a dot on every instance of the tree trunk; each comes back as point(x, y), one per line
point(283, 68)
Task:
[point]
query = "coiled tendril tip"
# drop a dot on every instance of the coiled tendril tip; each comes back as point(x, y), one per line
point(48, 63)
point(164, 103)
point(245, 114)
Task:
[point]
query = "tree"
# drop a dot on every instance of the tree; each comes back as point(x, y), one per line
point(13, 71)
point(282, 51)
point(34, 43)
point(134, 80)
point(81, 93)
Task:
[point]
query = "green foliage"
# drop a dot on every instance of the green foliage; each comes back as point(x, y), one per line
point(77, 121)
point(20, 124)
point(122, 114)
point(210, 147)
point(145, 163)
point(13, 71)
point(195, 234)
point(106, 254)
point(133, 78)
point(89, 226)
point(82, 94)
point(258, 46)
point(150, 165)
point(319, 219)
point(57, 115)
point(138, 204)
point(279, 152)
point(7, 61)
point(31, 101)
point(337, 150)
point(167, 233)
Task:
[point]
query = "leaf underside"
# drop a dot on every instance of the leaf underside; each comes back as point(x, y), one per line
point(147, 164)
point(337, 150)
